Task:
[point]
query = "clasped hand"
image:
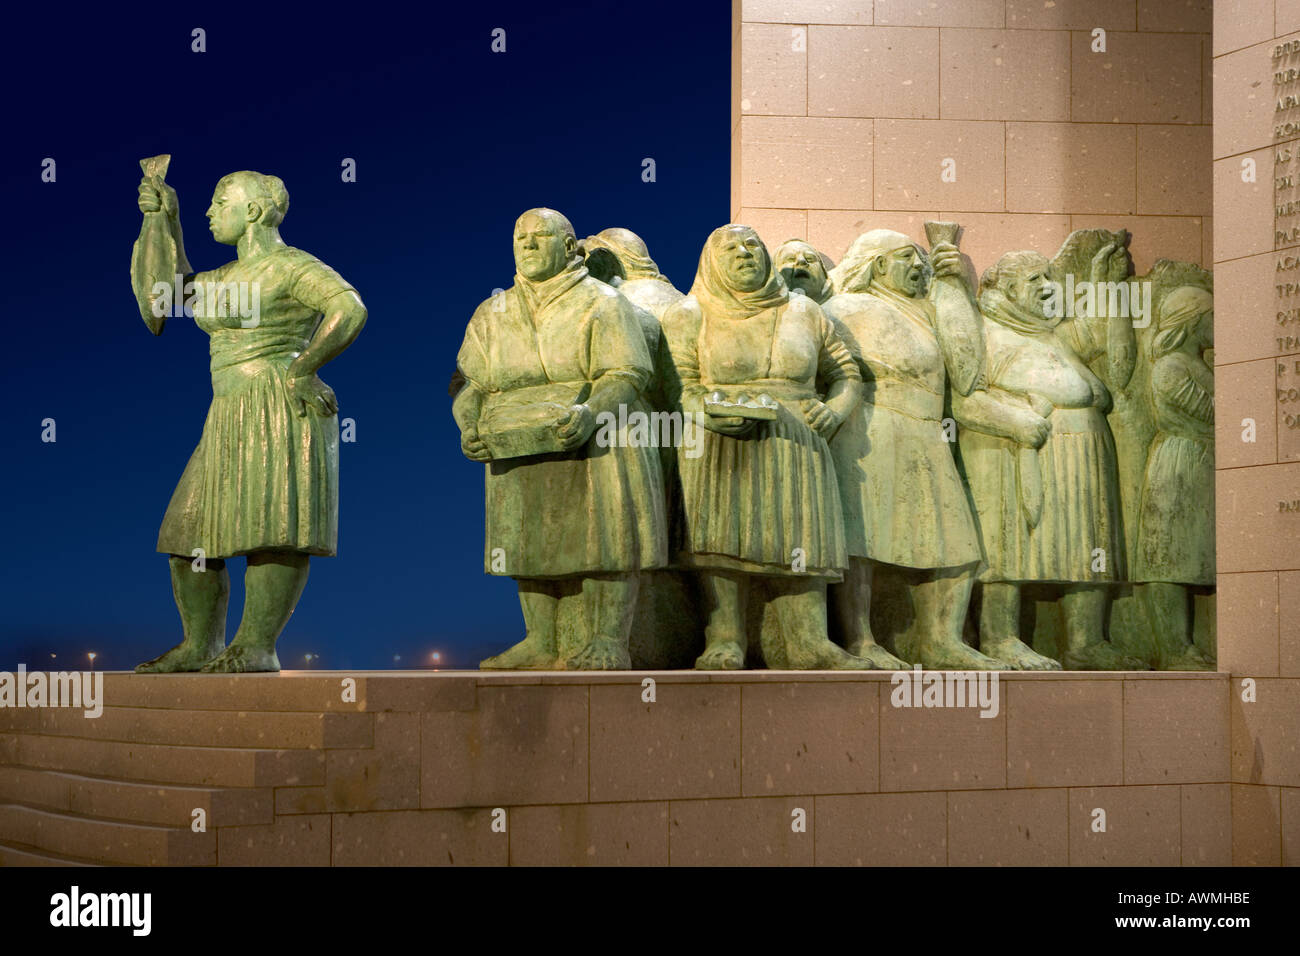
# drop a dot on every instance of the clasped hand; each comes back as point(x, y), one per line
point(821, 418)
point(576, 427)
point(308, 391)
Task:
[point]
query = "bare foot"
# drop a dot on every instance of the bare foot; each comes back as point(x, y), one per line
point(1016, 655)
point(1190, 659)
point(825, 656)
point(880, 658)
point(721, 656)
point(956, 656)
point(241, 659)
point(530, 654)
point(602, 654)
point(183, 658)
point(1101, 656)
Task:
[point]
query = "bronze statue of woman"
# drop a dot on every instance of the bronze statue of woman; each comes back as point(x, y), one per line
point(263, 482)
point(1175, 550)
point(574, 519)
point(905, 510)
point(1040, 462)
point(760, 500)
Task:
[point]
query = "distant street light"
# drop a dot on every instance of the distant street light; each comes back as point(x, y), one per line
point(92, 655)
point(437, 659)
point(309, 657)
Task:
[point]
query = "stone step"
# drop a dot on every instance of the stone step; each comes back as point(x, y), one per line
point(167, 764)
point(15, 855)
point(13, 719)
point(112, 841)
point(267, 730)
point(163, 805)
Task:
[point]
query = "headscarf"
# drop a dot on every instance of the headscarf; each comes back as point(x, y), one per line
point(1179, 312)
point(854, 273)
point(827, 290)
point(716, 296)
point(1001, 308)
point(629, 249)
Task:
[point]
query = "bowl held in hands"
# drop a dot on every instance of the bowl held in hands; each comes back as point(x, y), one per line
point(522, 421)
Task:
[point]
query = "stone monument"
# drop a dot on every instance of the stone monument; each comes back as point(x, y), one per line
point(880, 432)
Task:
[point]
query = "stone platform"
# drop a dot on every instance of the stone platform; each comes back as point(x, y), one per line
point(578, 769)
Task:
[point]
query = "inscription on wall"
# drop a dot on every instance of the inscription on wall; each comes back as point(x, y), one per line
point(1285, 69)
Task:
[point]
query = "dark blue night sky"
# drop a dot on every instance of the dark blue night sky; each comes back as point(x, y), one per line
point(451, 141)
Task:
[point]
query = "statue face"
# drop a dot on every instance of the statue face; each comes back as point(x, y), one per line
point(801, 268)
point(229, 214)
point(902, 270)
point(743, 260)
point(542, 247)
point(1031, 289)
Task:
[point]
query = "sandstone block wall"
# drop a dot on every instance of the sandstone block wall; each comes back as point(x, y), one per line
point(844, 114)
point(738, 769)
point(1256, 371)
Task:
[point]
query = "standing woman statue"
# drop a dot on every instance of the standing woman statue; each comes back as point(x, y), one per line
point(760, 500)
point(573, 517)
point(666, 627)
point(1176, 522)
point(263, 482)
point(1040, 462)
point(905, 509)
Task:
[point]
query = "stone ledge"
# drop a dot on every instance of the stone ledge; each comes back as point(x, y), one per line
point(582, 770)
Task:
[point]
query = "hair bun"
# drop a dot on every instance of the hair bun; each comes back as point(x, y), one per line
point(278, 194)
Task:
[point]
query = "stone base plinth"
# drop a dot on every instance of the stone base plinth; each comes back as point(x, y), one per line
point(399, 768)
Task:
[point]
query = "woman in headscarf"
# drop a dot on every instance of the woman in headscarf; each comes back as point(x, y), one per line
point(573, 519)
point(667, 629)
point(904, 505)
point(760, 501)
point(620, 258)
point(1175, 549)
point(263, 482)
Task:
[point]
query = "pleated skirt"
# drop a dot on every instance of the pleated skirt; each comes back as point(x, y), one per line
point(767, 503)
point(262, 477)
point(1176, 531)
point(1077, 538)
point(904, 502)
